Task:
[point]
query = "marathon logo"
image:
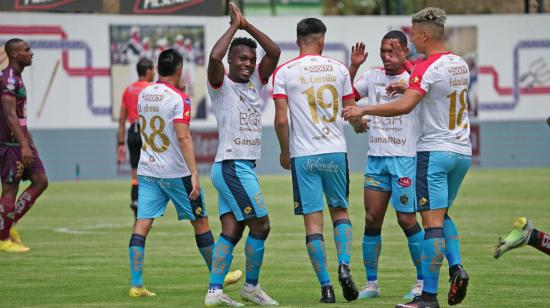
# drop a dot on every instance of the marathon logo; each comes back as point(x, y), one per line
point(317, 68)
point(152, 97)
point(162, 6)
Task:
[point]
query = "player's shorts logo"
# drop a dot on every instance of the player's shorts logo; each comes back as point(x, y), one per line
point(247, 210)
point(404, 181)
point(296, 205)
point(423, 201)
point(198, 211)
point(404, 199)
point(19, 168)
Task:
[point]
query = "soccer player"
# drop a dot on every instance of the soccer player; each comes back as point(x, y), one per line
point(236, 103)
point(439, 87)
point(314, 88)
point(391, 162)
point(18, 155)
point(128, 111)
point(524, 232)
point(167, 168)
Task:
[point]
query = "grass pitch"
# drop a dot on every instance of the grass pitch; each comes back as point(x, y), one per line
point(79, 232)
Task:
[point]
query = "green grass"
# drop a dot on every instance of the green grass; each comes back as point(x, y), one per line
point(89, 266)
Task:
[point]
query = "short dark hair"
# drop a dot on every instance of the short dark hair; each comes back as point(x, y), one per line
point(309, 26)
point(242, 41)
point(8, 46)
point(398, 35)
point(169, 61)
point(143, 66)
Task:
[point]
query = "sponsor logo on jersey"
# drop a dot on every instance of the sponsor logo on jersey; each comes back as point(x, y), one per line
point(404, 182)
point(240, 141)
point(317, 68)
point(457, 70)
point(152, 97)
point(415, 79)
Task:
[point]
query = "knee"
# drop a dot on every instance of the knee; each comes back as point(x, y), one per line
point(372, 221)
point(261, 230)
point(406, 220)
point(201, 225)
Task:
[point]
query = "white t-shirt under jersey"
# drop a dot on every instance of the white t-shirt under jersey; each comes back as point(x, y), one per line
point(161, 105)
point(314, 87)
point(388, 136)
point(239, 117)
point(443, 112)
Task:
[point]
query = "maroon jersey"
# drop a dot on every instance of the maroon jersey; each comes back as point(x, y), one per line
point(12, 84)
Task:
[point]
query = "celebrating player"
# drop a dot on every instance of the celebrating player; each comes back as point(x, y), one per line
point(236, 104)
point(167, 168)
point(18, 155)
point(314, 88)
point(524, 232)
point(391, 164)
point(439, 86)
point(128, 110)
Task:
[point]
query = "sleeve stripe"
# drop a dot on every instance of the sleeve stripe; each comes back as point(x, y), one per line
point(349, 96)
point(279, 96)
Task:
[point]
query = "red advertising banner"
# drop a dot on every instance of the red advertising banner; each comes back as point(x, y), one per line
point(51, 5)
point(172, 7)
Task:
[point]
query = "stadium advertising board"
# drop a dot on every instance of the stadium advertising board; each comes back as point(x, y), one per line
point(172, 7)
point(81, 62)
point(51, 5)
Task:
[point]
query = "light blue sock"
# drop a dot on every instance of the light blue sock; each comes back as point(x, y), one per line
point(318, 256)
point(136, 251)
point(205, 243)
point(342, 239)
point(433, 253)
point(452, 243)
point(415, 236)
point(372, 246)
point(221, 260)
point(254, 251)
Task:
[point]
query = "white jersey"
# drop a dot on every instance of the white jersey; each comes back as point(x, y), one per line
point(443, 112)
point(160, 106)
point(388, 136)
point(239, 118)
point(314, 87)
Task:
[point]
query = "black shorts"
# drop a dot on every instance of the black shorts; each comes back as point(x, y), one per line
point(134, 144)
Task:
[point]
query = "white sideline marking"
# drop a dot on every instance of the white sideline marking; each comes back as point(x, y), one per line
point(89, 229)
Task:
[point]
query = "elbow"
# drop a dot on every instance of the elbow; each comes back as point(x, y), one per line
point(215, 57)
point(276, 52)
point(184, 140)
point(281, 121)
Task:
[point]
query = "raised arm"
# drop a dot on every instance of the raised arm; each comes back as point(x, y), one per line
point(9, 106)
point(358, 57)
point(216, 69)
point(282, 130)
point(273, 52)
point(186, 146)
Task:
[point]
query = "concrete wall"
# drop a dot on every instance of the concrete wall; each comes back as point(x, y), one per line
point(502, 144)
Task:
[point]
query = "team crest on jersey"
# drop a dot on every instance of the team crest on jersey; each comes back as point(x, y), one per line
point(186, 114)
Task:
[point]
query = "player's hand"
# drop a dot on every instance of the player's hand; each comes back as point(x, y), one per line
point(284, 159)
point(397, 87)
point(196, 192)
point(352, 111)
point(120, 153)
point(235, 15)
point(358, 54)
point(362, 125)
point(26, 155)
point(400, 52)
